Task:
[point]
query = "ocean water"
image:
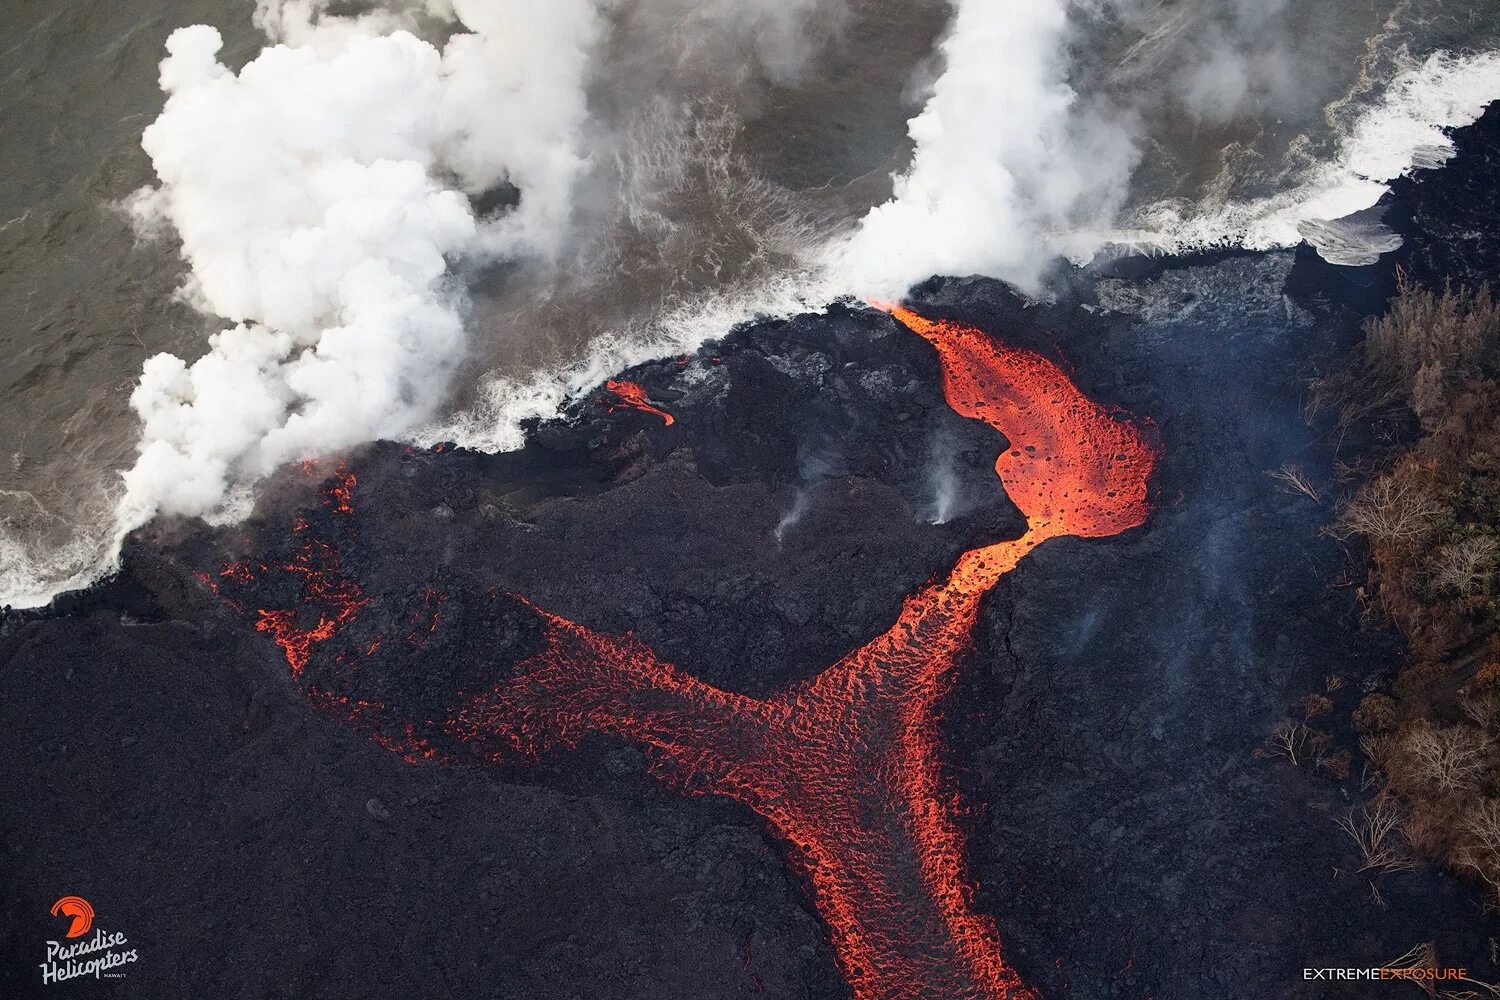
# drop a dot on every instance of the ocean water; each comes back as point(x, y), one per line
point(721, 161)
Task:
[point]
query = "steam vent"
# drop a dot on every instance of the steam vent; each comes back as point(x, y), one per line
point(816, 501)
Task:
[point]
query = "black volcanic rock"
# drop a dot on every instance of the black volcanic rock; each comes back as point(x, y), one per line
point(1122, 827)
point(1448, 217)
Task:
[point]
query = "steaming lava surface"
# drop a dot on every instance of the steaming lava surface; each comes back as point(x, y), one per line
point(239, 748)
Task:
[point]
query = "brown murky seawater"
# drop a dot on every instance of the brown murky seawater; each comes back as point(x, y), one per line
point(87, 303)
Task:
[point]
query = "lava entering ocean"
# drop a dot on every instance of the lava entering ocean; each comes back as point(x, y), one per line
point(846, 767)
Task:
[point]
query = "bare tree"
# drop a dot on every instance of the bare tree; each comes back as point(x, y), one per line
point(1376, 828)
point(1316, 704)
point(1354, 401)
point(1377, 747)
point(1483, 708)
point(1474, 990)
point(1290, 740)
point(1463, 567)
point(1483, 824)
point(1450, 760)
point(1393, 509)
point(1480, 851)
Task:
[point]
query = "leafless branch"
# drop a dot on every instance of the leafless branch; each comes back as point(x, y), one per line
point(1293, 480)
point(1376, 828)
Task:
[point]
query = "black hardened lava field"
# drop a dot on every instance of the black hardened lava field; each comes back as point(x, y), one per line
point(764, 499)
point(608, 716)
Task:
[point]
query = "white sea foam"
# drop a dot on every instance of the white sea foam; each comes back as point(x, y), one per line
point(33, 571)
point(1406, 129)
point(494, 422)
point(1010, 166)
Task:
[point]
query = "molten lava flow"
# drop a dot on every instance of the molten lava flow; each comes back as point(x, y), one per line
point(633, 397)
point(845, 767)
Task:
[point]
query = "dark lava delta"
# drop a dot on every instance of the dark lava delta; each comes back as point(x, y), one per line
point(1121, 827)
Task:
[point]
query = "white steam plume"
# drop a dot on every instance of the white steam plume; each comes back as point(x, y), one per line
point(1006, 157)
point(320, 195)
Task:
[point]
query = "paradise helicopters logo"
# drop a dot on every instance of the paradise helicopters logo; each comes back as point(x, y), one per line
point(100, 955)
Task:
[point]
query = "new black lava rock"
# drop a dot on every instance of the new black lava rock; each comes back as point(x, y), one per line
point(1123, 827)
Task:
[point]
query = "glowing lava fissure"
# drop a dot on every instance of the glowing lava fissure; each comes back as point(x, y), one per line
point(633, 397)
point(336, 598)
point(845, 767)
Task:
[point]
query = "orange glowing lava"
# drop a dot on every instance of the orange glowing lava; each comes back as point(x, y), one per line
point(633, 397)
point(846, 767)
point(335, 598)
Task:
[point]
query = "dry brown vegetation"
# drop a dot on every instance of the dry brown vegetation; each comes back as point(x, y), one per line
point(1429, 513)
point(1424, 956)
point(1429, 342)
point(1398, 509)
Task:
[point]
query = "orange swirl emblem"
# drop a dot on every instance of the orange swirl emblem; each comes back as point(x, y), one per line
point(79, 909)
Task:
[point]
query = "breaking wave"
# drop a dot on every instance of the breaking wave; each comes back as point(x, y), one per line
point(494, 421)
point(1406, 129)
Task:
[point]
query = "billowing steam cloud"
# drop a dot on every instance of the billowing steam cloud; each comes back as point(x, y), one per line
point(319, 196)
point(1012, 167)
point(1006, 156)
point(320, 193)
point(330, 194)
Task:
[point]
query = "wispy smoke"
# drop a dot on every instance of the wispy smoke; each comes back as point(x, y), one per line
point(942, 480)
point(319, 195)
point(723, 47)
point(1243, 62)
point(1216, 60)
point(801, 501)
point(944, 493)
point(818, 458)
